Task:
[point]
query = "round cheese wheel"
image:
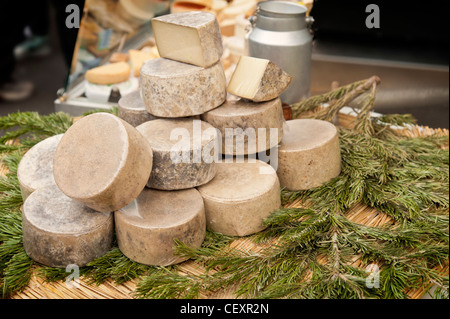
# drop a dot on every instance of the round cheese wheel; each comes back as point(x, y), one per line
point(103, 162)
point(184, 152)
point(175, 89)
point(242, 194)
point(146, 229)
point(309, 154)
point(35, 169)
point(58, 231)
point(247, 127)
point(132, 110)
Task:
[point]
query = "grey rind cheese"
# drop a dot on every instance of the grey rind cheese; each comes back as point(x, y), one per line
point(35, 169)
point(102, 162)
point(309, 154)
point(58, 231)
point(240, 197)
point(174, 89)
point(132, 109)
point(146, 229)
point(184, 152)
point(247, 127)
point(190, 37)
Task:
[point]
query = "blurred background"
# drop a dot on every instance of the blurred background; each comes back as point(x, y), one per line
point(43, 61)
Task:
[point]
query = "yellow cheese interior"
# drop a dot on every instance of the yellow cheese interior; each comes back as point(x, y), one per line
point(178, 42)
point(247, 76)
point(137, 59)
point(109, 73)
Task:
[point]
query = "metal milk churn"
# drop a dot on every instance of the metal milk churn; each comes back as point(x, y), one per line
point(280, 33)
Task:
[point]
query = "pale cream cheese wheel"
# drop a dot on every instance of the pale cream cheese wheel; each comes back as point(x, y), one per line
point(247, 127)
point(240, 197)
point(175, 89)
point(146, 228)
point(35, 169)
point(59, 231)
point(132, 109)
point(309, 154)
point(184, 152)
point(102, 162)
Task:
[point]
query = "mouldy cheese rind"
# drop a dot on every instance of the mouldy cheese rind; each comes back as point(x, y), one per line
point(103, 162)
point(132, 110)
point(309, 154)
point(146, 229)
point(171, 139)
point(247, 127)
point(58, 231)
point(190, 37)
point(174, 89)
point(35, 169)
point(240, 197)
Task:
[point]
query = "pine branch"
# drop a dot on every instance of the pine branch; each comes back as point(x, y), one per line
point(34, 124)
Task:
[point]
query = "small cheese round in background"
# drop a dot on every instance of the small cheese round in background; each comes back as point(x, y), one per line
point(102, 162)
point(309, 154)
point(243, 123)
point(131, 109)
point(35, 169)
point(175, 89)
point(109, 73)
point(58, 231)
point(241, 195)
point(184, 152)
point(146, 228)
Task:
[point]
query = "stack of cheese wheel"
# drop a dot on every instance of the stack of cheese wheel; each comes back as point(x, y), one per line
point(180, 158)
point(187, 80)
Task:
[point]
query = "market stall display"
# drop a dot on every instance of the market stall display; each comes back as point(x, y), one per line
point(165, 210)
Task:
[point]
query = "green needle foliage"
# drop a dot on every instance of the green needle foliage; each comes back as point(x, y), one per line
point(314, 252)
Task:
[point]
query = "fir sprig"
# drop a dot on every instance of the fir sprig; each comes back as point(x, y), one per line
point(314, 252)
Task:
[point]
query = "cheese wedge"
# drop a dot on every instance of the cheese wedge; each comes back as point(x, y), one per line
point(258, 80)
point(190, 37)
point(109, 74)
point(138, 58)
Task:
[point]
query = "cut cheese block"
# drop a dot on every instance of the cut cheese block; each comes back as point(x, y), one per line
point(102, 162)
point(131, 109)
point(309, 154)
point(58, 231)
point(247, 127)
point(147, 228)
point(183, 152)
point(138, 58)
point(35, 169)
point(258, 79)
point(190, 37)
point(174, 89)
point(240, 197)
point(109, 74)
